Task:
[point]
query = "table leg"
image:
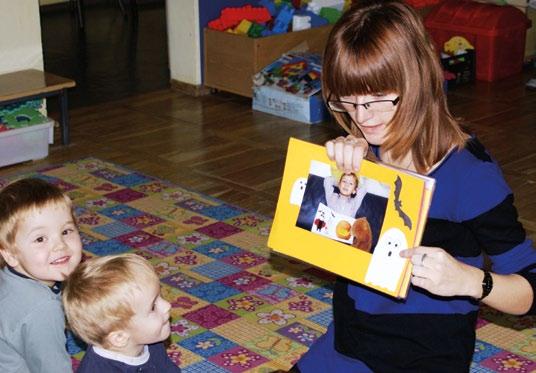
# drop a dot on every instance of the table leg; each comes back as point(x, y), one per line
point(64, 117)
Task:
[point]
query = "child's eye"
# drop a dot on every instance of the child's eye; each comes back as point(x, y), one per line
point(40, 239)
point(67, 231)
point(153, 307)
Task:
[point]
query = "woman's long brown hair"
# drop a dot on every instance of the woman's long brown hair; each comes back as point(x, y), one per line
point(382, 47)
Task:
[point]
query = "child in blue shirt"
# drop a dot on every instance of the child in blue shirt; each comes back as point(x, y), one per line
point(113, 303)
point(39, 247)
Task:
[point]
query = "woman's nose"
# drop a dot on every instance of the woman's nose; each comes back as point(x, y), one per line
point(361, 115)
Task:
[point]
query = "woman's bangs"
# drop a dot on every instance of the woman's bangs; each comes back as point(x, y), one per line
point(362, 73)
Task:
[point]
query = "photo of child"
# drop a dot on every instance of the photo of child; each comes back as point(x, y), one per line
point(343, 206)
point(344, 196)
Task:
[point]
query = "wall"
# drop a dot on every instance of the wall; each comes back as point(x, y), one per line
point(20, 35)
point(183, 41)
point(185, 22)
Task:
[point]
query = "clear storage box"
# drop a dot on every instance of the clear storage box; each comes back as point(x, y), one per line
point(24, 144)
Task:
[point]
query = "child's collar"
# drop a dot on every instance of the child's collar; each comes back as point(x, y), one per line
point(129, 360)
point(56, 288)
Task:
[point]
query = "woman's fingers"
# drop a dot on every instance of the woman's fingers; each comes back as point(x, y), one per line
point(347, 152)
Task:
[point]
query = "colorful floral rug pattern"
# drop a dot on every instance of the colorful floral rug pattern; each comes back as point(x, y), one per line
point(235, 307)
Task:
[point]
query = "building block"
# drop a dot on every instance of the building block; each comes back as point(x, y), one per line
point(255, 31)
point(301, 22)
point(316, 20)
point(316, 5)
point(331, 14)
point(231, 17)
point(243, 27)
point(283, 19)
point(270, 5)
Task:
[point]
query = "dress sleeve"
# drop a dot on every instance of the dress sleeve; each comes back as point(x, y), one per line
point(493, 219)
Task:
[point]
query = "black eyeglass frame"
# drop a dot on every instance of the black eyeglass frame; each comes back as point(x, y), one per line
point(366, 105)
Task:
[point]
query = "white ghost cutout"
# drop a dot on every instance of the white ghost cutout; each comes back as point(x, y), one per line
point(298, 189)
point(386, 265)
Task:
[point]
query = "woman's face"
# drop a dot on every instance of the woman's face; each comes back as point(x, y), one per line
point(373, 123)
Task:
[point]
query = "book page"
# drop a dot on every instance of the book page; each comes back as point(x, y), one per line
point(353, 225)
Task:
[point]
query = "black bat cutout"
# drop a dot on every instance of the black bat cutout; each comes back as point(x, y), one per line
point(398, 203)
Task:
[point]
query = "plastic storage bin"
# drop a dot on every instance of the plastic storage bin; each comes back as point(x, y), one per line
point(24, 144)
point(496, 32)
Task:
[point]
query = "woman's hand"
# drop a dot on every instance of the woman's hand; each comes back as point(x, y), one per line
point(347, 152)
point(441, 274)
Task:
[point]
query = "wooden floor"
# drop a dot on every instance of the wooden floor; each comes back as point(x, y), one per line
point(217, 145)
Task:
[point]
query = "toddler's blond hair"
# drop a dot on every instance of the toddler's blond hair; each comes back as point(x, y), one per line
point(97, 296)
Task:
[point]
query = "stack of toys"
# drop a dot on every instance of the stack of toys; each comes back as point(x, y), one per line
point(296, 73)
point(290, 87)
point(271, 17)
point(21, 115)
point(458, 60)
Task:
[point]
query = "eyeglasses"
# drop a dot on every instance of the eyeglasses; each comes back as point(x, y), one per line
point(350, 107)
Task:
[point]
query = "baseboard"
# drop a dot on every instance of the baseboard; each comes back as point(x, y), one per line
point(195, 90)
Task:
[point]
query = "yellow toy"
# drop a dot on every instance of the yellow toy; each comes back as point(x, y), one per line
point(457, 45)
point(243, 27)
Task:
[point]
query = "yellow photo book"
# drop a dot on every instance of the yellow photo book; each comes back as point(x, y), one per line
point(353, 225)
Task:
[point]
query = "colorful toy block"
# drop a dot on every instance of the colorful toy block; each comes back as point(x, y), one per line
point(231, 17)
point(243, 27)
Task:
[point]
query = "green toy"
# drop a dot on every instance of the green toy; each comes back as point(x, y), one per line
point(255, 30)
point(22, 117)
point(331, 14)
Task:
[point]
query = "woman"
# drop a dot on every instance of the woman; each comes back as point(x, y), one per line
point(384, 85)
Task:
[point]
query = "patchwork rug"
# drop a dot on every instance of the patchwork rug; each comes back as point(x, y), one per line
point(235, 307)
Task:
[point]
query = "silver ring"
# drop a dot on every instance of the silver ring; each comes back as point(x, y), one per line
point(422, 258)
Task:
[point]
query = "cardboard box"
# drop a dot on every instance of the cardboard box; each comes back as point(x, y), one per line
point(27, 143)
point(231, 60)
point(302, 109)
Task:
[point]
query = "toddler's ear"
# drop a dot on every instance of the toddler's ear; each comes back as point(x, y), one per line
point(9, 257)
point(118, 338)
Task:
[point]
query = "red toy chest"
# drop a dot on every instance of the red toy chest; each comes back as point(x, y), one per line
point(496, 32)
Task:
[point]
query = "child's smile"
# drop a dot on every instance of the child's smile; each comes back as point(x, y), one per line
point(47, 244)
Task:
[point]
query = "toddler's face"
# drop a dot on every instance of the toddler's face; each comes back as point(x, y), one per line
point(150, 323)
point(347, 185)
point(47, 244)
